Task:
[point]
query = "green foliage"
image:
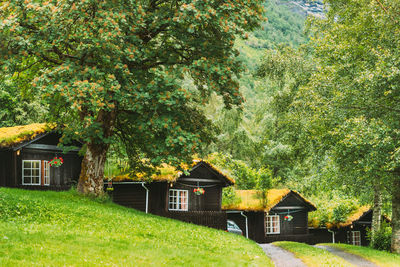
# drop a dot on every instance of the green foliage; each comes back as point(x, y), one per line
point(114, 70)
point(229, 196)
point(342, 211)
point(245, 176)
point(65, 228)
point(333, 207)
point(383, 237)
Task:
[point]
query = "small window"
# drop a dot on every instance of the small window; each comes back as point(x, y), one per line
point(178, 199)
point(272, 224)
point(46, 172)
point(35, 172)
point(31, 172)
point(356, 238)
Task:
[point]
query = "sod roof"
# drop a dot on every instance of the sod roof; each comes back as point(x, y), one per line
point(12, 136)
point(252, 200)
point(166, 173)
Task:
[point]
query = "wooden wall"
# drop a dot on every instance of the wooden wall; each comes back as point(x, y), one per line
point(210, 201)
point(5, 168)
point(62, 177)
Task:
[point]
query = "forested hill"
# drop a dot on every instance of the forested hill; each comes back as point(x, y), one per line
point(285, 22)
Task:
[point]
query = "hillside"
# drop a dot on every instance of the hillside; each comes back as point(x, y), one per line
point(63, 228)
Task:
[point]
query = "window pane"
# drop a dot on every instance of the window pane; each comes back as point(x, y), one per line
point(27, 180)
point(27, 164)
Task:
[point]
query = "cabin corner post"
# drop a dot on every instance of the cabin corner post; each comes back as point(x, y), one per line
point(15, 168)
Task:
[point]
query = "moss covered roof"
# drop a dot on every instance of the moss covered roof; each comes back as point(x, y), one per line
point(352, 217)
point(165, 173)
point(252, 200)
point(12, 136)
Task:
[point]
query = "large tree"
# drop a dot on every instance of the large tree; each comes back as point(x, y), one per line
point(116, 66)
point(354, 94)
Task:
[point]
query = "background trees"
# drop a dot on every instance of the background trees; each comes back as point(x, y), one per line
point(353, 95)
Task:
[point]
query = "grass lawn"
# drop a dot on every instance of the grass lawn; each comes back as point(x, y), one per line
point(312, 256)
point(381, 258)
point(63, 228)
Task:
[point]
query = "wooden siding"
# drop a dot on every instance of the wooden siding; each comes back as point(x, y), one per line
point(210, 201)
point(62, 177)
point(6, 167)
point(213, 219)
point(130, 195)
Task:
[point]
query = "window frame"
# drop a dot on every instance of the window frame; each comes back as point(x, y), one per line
point(46, 165)
point(176, 205)
point(269, 224)
point(23, 171)
point(353, 235)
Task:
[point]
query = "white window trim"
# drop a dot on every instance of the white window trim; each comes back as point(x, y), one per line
point(23, 174)
point(178, 199)
point(46, 165)
point(352, 238)
point(269, 219)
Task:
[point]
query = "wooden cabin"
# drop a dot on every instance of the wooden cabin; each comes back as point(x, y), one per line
point(172, 194)
point(280, 215)
point(352, 231)
point(25, 153)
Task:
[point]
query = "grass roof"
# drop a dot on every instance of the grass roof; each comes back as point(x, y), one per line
point(165, 173)
point(11, 136)
point(252, 200)
point(352, 217)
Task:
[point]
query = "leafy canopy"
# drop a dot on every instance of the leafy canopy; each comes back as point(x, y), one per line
point(118, 66)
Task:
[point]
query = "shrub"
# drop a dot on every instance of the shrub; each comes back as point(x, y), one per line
point(383, 237)
point(229, 196)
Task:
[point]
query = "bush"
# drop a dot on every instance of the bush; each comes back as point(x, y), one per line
point(229, 196)
point(383, 237)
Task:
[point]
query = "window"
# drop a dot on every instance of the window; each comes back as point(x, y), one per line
point(356, 238)
point(46, 172)
point(35, 172)
point(272, 224)
point(178, 199)
point(31, 172)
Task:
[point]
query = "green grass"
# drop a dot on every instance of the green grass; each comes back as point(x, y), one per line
point(63, 228)
point(381, 258)
point(312, 256)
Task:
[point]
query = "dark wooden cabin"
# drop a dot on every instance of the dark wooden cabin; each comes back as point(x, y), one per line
point(172, 195)
point(282, 216)
point(25, 153)
point(353, 231)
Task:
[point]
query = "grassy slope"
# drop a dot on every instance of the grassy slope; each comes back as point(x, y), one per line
point(312, 256)
point(381, 258)
point(62, 228)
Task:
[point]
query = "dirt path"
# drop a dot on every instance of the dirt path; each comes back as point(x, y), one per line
point(281, 257)
point(353, 259)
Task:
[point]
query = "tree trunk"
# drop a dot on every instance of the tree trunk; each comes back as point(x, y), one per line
point(396, 215)
point(377, 212)
point(92, 170)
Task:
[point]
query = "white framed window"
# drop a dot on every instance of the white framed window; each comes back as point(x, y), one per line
point(356, 238)
point(178, 199)
point(46, 173)
point(31, 172)
point(272, 224)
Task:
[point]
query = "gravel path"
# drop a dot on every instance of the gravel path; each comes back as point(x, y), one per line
point(353, 259)
point(281, 257)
